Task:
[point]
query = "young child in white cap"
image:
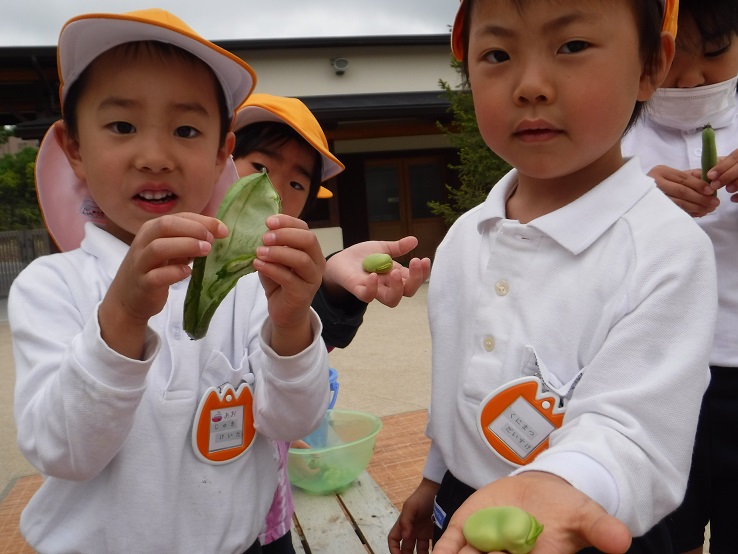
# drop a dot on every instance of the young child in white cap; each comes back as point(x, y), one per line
point(120, 411)
point(570, 362)
point(282, 137)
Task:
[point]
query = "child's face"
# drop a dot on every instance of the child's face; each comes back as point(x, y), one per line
point(289, 166)
point(148, 138)
point(697, 63)
point(555, 83)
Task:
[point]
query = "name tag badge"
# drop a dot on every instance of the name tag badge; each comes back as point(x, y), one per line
point(516, 419)
point(224, 424)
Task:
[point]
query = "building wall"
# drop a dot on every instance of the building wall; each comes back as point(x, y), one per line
point(15, 145)
point(308, 72)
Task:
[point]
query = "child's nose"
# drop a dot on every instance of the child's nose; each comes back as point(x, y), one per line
point(685, 72)
point(153, 154)
point(690, 79)
point(534, 86)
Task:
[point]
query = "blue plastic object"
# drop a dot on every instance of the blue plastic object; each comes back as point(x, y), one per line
point(333, 383)
point(320, 436)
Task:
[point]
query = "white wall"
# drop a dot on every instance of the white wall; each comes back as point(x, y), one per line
point(308, 71)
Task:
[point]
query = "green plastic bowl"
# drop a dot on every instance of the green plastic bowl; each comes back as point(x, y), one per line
point(340, 449)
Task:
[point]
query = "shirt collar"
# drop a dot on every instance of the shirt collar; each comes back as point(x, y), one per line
point(578, 224)
point(109, 250)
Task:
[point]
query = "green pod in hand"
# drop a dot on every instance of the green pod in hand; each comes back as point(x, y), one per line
point(709, 151)
point(502, 528)
point(377, 263)
point(244, 210)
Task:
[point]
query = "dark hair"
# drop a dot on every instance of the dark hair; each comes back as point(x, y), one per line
point(716, 20)
point(263, 135)
point(132, 50)
point(649, 16)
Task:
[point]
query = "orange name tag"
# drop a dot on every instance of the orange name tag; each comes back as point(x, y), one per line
point(516, 420)
point(224, 424)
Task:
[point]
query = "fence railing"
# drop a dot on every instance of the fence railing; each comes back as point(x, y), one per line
point(17, 250)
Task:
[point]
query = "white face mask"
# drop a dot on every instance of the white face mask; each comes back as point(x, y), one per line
point(693, 108)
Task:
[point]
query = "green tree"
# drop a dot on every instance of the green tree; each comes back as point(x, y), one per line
point(479, 168)
point(18, 205)
point(5, 133)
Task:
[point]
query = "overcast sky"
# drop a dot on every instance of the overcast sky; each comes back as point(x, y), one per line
point(38, 22)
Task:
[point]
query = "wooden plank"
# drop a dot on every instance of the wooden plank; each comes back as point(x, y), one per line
point(324, 525)
point(371, 510)
point(297, 537)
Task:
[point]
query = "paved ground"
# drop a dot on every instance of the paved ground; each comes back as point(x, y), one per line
point(385, 371)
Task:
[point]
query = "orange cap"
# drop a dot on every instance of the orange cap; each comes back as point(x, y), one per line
point(671, 12)
point(291, 111)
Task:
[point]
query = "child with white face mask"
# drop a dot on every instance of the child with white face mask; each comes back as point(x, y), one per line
point(700, 88)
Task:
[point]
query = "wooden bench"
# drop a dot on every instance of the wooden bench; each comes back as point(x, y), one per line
point(356, 520)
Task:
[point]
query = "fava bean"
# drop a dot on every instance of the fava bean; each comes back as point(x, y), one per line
point(377, 263)
point(709, 152)
point(502, 528)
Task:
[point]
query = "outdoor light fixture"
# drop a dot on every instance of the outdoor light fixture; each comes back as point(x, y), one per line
point(339, 65)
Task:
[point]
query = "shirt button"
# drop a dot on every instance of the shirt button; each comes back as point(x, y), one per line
point(501, 287)
point(489, 343)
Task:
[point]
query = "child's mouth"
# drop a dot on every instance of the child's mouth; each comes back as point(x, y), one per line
point(156, 197)
point(537, 135)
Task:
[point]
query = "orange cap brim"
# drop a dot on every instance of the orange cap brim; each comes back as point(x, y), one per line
point(324, 193)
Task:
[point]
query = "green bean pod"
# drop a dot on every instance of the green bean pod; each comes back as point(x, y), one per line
point(502, 528)
point(709, 151)
point(244, 209)
point(377, 263)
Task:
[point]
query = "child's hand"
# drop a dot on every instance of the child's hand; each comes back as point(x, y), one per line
point(686, 189)
point(290, 266)
point(725, 174)
point(158, 257)
point(414, 526)
point(571, 520)
point(344, 272)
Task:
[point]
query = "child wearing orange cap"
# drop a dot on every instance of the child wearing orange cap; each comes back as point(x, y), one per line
point(570, 362)
point(114, 405)
point(282, 137)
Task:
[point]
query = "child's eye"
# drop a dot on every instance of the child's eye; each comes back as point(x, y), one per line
point(717, 52)
point(574, 46)
point(260, 168)
point(185, 131)
point(297, 186)
point(496, 56)
point(122, 127)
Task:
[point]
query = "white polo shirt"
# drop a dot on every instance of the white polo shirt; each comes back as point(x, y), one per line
point(618, 287)
point(657, 145)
